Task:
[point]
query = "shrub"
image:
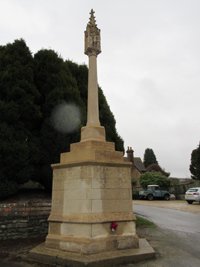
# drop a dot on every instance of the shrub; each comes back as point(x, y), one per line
point(150, 178)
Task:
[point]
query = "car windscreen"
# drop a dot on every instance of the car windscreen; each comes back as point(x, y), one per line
point(193, 190)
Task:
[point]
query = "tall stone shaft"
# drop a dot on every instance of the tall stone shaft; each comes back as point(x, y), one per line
point(93, 101)
point(92, 49)
point(93, 129)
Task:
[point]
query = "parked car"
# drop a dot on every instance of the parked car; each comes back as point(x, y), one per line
point(192, 194)
point(154, 192)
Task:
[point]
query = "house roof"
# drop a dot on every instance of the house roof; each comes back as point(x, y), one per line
point(156, 167)
point(139, 164)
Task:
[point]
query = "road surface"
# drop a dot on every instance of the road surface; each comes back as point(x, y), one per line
point(176, 240)
point(171, 219)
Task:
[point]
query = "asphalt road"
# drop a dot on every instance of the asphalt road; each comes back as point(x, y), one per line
point(176, 240)
point(171, 219)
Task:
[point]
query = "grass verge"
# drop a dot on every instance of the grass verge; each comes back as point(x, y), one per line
point(142, 222)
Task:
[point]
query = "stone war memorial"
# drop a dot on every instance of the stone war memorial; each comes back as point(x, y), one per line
point(92, 221)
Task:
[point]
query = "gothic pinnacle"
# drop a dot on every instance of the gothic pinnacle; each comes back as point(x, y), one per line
point(92, 18)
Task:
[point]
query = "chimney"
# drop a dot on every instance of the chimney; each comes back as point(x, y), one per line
point(130, 154)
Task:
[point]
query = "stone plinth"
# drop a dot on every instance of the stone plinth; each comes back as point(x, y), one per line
point(55, 257)
point(91, 189)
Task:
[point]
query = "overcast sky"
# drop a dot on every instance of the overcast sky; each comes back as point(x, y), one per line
point(149, 68)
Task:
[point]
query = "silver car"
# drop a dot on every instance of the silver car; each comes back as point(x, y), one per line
point(192, 194)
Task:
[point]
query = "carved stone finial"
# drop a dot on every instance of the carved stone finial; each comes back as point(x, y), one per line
point(92, 18)
point(92, 37)
point(92, 12)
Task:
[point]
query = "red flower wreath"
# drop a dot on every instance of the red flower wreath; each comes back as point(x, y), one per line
point(113, 226)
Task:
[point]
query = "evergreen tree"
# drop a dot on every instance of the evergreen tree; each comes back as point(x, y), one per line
point(20, 113)
point(149, 157)
point(108, 121)
point(195, 163)
point(80, 74)
point(56, 85)
point(31, 89)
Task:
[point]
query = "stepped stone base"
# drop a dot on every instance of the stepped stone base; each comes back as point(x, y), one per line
point(91, 191)
point(55, 257)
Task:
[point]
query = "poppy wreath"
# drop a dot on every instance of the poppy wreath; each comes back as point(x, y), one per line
point(113, 226)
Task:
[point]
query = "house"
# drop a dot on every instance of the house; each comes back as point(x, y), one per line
point(137, 167)
point(156, 168)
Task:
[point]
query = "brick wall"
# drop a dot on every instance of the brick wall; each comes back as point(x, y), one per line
point(24, 219)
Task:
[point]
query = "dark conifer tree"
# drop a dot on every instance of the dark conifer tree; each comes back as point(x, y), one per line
point(195, 163)
point(149, 157)
point(108, 121)
point(20, 113)
point(56, 86)
point(30, 90)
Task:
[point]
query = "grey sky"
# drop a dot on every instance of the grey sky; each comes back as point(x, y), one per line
point(149, 68)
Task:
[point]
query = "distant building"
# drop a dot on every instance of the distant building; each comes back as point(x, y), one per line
point(137, 167)
point(155, 167)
